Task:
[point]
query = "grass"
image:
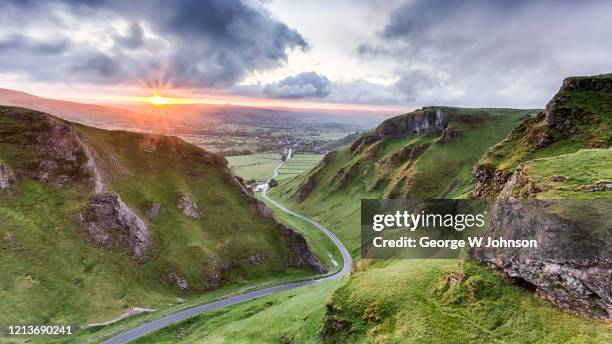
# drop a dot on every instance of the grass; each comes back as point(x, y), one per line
point(298, 164)
point(567, 176)
point(260, 166)
point(52, 275)
point(255, 166)
point(292, 316)
point(412, 301)
point(585, 112)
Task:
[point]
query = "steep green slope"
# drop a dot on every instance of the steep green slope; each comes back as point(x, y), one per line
point(96, 222)
point(579, 116)
point(293, 316)
point(393, 161)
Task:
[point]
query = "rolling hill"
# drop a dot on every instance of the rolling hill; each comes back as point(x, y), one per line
point(96, 223)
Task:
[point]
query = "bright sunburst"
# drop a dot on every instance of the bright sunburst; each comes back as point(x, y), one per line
point(158, 100)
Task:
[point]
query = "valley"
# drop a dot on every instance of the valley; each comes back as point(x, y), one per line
point(305, 172)
point(433, 152)
point(390, 301)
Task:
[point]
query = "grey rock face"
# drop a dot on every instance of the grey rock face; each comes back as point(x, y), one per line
point(427, 120)
point(110, 222)
point(178, 281)
point(570, 267)
point(303, 256)
point(217, 271)
point(64, 157)
point(263, 210)
point(189, 207)
point(7, 177)
point(449, 134)
point(598, 187)
point(430, 119)
point(256, 259)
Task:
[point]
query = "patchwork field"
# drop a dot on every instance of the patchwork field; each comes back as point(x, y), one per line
point(298, 164)
point(260, 166)
point(254, 166)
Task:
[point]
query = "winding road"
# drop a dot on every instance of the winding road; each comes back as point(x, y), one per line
point(157, 324)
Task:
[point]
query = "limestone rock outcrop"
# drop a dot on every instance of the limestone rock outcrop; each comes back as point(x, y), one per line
point(433, 119)
point(570, 267)
point(302, 255)
point(109, 222)
point(7, 177)
point(189, 207)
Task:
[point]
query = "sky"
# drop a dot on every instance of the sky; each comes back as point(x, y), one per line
point(363, 54)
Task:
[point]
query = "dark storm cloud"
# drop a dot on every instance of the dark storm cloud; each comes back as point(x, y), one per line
point(98, 66)
point(303, 85)
point(134, 39)
point(18, 42)
point(493, 52)
point(199, 42)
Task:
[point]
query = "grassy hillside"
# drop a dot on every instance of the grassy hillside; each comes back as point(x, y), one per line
point(585, 174)
point(446, 301)
point(55, 271)
point(433, 301)
point(579, 116)
point(293, 316)
point(385, 169)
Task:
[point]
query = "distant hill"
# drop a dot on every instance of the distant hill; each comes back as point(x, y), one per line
point(95, 222)
point(149, 118)
point(99, 115)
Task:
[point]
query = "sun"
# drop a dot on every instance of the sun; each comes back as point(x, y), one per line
point(158, 100)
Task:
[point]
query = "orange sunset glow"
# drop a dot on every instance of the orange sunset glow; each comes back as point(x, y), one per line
point(158, 99)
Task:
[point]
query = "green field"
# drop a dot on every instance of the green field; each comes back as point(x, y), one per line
point(254, 166)
point(260, 166)
point(298, 164)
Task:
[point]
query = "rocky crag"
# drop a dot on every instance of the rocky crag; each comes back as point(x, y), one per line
point(428, 119)
point(577, 117)
point(554, 155)
point(63, 158)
